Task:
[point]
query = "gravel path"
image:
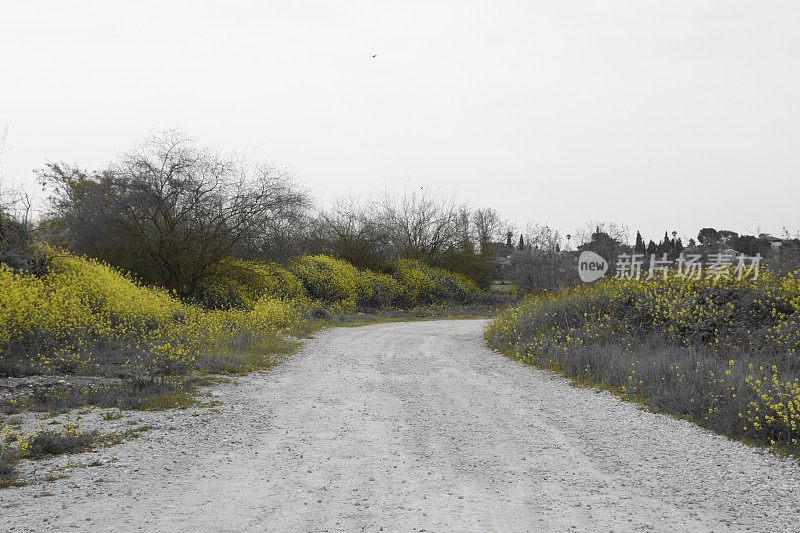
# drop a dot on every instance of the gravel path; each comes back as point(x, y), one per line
point(414, 426)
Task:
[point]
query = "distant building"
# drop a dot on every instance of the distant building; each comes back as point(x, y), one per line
point(775, 242)
point(501, 250)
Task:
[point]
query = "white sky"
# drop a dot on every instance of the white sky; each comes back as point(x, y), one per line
point(660, 114)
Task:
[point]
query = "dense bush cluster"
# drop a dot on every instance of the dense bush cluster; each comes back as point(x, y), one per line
point(336, 284)
point(237, 283)
point(423, 284)
point(331, 281)
point(84, 316)
point(721, 352)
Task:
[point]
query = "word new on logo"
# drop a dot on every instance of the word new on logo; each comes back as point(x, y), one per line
point(591, 266)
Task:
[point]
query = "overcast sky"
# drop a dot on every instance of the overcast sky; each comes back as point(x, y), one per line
point(660, 114)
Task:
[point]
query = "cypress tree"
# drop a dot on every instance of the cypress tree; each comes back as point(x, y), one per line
point(639, 248)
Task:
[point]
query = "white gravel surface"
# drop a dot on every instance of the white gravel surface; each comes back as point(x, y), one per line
point(412, 426)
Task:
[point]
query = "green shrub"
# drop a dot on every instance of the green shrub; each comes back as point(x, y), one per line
point(332, 281)
point(376, 290)
point(8, 474)
point(453, 286)
point(237, 283)
point(127, 394)
point(422, 284)
point(51, 442)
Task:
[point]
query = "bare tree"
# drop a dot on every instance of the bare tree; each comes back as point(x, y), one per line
point(489, 227)
point(417, 224)
point(3, 138)
point(542, 265)
point(543, 238)
point(350, 230)
point(16, 228)
point(411, 224)
point(168, 210)
point(16, 204)
point(465, 230)
point(280, 230)
point(617, 232)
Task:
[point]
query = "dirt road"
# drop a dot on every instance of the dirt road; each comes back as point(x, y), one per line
point(414, 426)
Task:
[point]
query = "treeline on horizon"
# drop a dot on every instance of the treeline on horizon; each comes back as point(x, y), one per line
point(169, 212)
point(175, 261)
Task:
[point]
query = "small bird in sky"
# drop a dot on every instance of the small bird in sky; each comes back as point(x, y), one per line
point(374, 56)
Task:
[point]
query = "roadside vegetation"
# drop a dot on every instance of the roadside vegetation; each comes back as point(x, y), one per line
point(175, 265)
point(152, 349)
point(720, 352)
point(68, 439)
point(175, 261)
point(84, 317)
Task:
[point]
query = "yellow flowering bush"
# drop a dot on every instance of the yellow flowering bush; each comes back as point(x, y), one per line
point(329, 280)
point(83, 313)
point(376, 290)
point(85, 316)
point(422, 284)
point(719, 351)
point(774, 409)
point(241, 283)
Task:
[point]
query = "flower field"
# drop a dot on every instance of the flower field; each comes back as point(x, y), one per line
point(721, 352)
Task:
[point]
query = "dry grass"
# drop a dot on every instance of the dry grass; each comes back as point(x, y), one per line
point(8, 474)
point(692, 384)
point(721, 354)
